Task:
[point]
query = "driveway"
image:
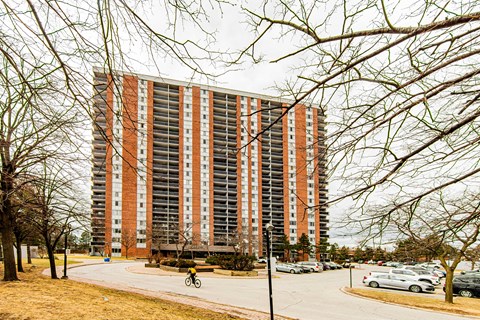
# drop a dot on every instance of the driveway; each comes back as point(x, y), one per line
point(305, 296)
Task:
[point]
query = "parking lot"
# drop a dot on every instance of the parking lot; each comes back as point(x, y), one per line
point(300, 296)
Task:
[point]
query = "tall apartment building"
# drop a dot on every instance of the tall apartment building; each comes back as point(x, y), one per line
point(172, 162)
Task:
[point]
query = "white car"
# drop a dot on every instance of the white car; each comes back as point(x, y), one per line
point(432, 271)
point(416, 275)
point(288, 268)
point(314, 266)
point(391, 281)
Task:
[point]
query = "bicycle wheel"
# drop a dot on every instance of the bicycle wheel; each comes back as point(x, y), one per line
point(188, 281)
point(198, 283)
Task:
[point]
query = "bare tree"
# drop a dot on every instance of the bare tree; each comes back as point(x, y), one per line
point(56, 207)
point(400, 89)
point(36, 124)
point(128, 240)
point(445, 227)
point(473, 255)
point(399, 83)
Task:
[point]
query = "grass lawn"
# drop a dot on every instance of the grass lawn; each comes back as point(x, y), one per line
point(39, 297)
point(463, 306)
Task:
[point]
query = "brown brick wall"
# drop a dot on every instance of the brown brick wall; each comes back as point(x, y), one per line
point(316, 173)
point(301, 166)
point(129, 163)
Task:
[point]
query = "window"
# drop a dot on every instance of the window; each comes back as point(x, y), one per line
point(116, 203)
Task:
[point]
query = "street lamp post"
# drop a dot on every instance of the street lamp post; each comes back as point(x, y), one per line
point(67, 229)
point(269, 228)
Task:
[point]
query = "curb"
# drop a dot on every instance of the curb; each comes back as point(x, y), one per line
point(406, 306)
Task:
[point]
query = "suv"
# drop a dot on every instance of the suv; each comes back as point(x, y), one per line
point(466, 286)
point(314, 266)
point(416, 275)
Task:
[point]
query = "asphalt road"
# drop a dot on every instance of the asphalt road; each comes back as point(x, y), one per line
point(305, 296)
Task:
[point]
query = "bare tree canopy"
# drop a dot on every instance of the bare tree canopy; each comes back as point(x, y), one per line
point(399, 81)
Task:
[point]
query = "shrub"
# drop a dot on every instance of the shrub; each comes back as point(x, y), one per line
point(185, 263)
point(178, 263)
point(213, 260)
point(237, 263)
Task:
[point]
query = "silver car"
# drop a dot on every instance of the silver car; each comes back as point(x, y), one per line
point(394, 282)
point(288, 268)
point(314, 266)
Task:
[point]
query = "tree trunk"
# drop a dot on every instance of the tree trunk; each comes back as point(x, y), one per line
point(449, 286)
point(51, 259)
point(19, 255)
point(9, 267)
point(29, 254)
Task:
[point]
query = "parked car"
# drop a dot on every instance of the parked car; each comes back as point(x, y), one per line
point(416, 275)
point(288, 268)
point(392, 264)
point(385, 280)
point(438, 272)
point(422, 270)
point(304, 269)
point(326, 266)
point(430, 264)
point(471, 271)
point(262, 260)
point(333, 265)
point(314, 266)
point(466, 286)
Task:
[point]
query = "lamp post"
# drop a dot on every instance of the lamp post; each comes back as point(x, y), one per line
point(269, 228)
point(67, 230)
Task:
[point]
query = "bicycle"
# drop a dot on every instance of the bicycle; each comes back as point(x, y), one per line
point(197, 283)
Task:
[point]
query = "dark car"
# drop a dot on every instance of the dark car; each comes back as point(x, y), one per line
point(477, 271)
point(325, 266)
point(467, 286)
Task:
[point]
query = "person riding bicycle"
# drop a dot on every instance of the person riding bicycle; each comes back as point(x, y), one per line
point(192, 272)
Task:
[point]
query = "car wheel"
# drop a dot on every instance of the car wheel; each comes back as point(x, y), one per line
point(292, 271)
point(374, 284)
point(311, 270)
point(415, 288)
point(466, 293)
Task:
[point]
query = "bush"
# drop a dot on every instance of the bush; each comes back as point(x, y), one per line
point(237, 263)
point(185, 263)
point(178, 263)
point(213, 260)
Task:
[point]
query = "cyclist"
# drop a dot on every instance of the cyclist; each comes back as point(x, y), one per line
point(192, 272)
